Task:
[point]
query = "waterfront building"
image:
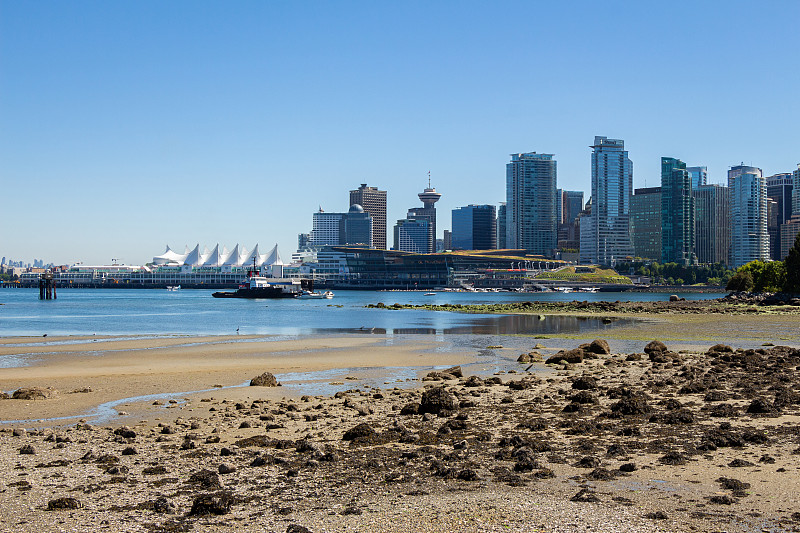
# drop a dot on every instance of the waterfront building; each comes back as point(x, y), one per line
point(302, 240)
point(749, 237)
point(587, 238)
point(531, 203)
point(412, 235)
point(447, 240)
point(646, 223)
point(474, 228)
point(608, 238)
point(698, 176)
point(677, 213)
point(427, 212)
point(712, 223)
point(374, 202)
point(501, 226)
point(779, 190)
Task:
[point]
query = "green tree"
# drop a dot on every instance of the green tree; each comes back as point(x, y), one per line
point(742, 281)
point(792, 268)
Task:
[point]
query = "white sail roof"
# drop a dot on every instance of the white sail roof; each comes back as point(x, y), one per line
point(238, 257)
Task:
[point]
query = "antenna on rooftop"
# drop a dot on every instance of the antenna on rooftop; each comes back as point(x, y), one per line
point(429, 179)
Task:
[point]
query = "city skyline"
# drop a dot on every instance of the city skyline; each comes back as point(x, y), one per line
point(126, 127)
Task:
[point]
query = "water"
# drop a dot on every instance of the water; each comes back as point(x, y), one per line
point(195, 312)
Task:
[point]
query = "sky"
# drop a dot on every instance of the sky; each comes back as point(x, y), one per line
point(127, 126)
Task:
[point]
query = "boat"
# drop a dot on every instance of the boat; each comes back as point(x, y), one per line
point(256, 286)
point(173, 287)
point(310, 295)
point(430, 294)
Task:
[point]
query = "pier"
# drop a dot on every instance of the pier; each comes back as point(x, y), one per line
point(47, 287)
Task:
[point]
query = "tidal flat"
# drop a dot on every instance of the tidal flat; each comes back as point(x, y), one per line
point(700, 432)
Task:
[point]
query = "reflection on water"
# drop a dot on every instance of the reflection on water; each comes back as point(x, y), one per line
point(502, 325)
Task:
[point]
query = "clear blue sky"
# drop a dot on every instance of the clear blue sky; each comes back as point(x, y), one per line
point(125, 126)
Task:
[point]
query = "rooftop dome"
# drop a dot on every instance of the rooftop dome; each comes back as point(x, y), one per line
point(355, 208)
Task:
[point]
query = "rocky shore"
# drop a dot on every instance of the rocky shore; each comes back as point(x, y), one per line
point(732, 304)
point(581, 440)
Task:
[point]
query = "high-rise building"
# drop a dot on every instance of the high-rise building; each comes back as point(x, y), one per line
point(779, 190)
point(501, 226)
point(796, 192)
point(374, 202)
point(646, 223)
point(325, 229)
point(609, 237)
point(749, 237)
point(572, 205)
point(428, 197)
point(531, 203)
point(447, 240)
point(698, 175)
point(789, 231)
point(412, 236)
point(353, 228)
point(474, 228)
point(677, 213)
point(712, 235)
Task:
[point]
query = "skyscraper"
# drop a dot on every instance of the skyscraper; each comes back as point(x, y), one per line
point(698, 175)
point(412, 236)
point(572, 205)
point(796, 192)
point(712, 233)
point(339, 229)
point(474, 228)
point(677, 213)
point(646, 223)
point(531, 203)
point(779, 190)
point(749, 237)
point(501, 226)
point(609, 233)
point(428, 197)
point(374, 202)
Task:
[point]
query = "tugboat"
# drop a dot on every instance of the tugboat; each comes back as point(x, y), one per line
point(258, 286)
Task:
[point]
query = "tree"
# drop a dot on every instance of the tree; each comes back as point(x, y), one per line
point(742, 281)
point(792, 267)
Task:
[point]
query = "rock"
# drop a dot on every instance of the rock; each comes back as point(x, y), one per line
point(674, 298)
point(264, 380)
point(358, 432)
point(207, 504)
point(761, 406)
point(631, 406)
point(226, 469)
point(733, 484)
point(64, 503)
point(657, 515)
point(672, 458)
point(206, 479)
point(573, 356)
point(295, 528)
point(472, 381)
point(524, 358)
point(4, 396)
point(655, 346)
point(27, 450)
point(130, 450)
point(163, 506)
point(585, 495)
point(125, 432)
point(410, 409)
point(722, 500)
point(598, 346)
point(627, 467)
point(585, 383)
point(719, 348)
point(34, 393)
point(437, 400)
point(19, 432)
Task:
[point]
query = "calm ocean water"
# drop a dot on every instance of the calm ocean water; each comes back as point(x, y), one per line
point(195, 312)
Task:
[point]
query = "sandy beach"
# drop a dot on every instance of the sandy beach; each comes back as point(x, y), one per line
point(607, 438)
